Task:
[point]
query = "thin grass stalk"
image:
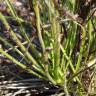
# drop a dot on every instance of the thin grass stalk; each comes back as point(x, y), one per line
point(11, 8)
point(70, 62)
point(12, 47)
point(19, 42)
point(81, 45)
point(89, 37)
point(49, 76)
point(20, 64)
point(18, 51)
point(38, 23)
point(66, 56)
point(65, 83)
point(71, 41)
point(15, 38)
point(65, 88)
point(90, 33)
point(8, 2)
point(36, 53)
point(19, 20)
point(90, 64)
point(55, 27)
point(81, 48)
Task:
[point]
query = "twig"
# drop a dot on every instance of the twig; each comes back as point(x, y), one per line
point(90, 65)
point(24, 43)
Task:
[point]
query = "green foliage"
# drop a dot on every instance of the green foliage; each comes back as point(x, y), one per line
point(59, 58)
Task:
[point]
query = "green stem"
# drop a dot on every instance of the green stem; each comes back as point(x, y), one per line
point(17, 40)
point(38, 22)
point(20, 64)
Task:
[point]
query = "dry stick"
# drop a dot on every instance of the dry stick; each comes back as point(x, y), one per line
point(61, 20)
point(24, 43)
point(90, 65)
point(27, 49)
